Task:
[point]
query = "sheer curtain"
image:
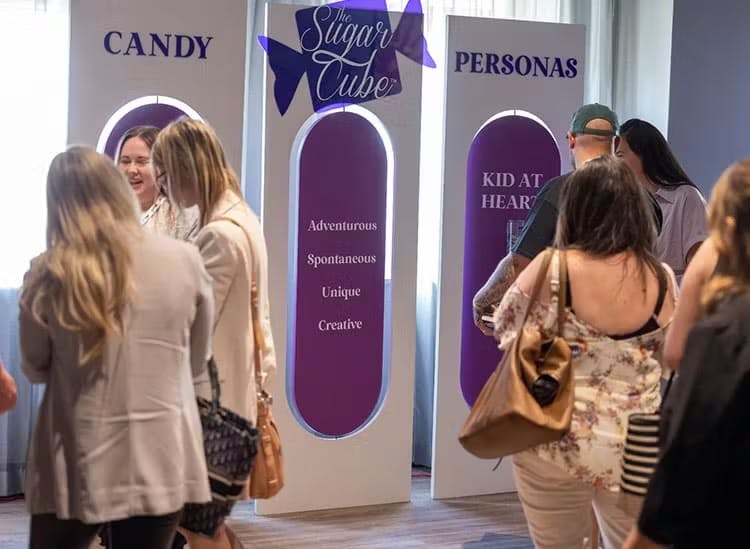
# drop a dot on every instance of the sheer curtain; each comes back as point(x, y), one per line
point(33, 108)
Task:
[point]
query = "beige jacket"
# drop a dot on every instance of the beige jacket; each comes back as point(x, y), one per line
point(121, 436)
point(231, 262)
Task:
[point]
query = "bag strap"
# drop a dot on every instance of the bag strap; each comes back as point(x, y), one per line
point(213, 376)
point(663, 274)
point(559, 285)
point(260, 344)
point(667, 388)
point(259, 340)
point(540, 278)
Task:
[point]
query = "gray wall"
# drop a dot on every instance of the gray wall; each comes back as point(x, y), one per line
point(710, 86)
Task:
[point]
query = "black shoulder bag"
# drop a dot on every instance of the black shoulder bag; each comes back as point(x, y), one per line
point(230, 443)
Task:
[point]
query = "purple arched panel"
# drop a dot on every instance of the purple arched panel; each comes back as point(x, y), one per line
point(151, 114)
point(510, 158)
point(336, 367)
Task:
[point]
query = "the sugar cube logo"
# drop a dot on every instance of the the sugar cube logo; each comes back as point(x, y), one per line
point(348, 52)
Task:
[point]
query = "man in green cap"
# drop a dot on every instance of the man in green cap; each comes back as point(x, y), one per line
point(592, 133)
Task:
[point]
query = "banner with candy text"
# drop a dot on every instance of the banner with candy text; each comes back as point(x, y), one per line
point(134, 64)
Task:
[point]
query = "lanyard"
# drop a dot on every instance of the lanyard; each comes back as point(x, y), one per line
point(151, 212)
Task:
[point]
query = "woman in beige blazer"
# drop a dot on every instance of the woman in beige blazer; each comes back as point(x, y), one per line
point(189, 157)
point(116, 322)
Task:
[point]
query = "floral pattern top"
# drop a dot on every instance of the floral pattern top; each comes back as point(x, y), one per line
point(163, 218)
point(613, 379)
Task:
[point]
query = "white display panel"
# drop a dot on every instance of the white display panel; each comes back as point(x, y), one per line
point(335, 454)
point(511, 88)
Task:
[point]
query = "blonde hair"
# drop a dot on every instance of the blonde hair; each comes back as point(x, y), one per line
point(83, 279)
point(190, 154)
point(729, 226)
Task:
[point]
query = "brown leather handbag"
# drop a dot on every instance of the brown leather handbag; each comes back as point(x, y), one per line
point(267, 476)
point(528, 399)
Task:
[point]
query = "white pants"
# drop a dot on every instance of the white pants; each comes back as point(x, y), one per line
point(558, 507)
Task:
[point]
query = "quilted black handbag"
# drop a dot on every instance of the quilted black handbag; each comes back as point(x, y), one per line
point(230, 443)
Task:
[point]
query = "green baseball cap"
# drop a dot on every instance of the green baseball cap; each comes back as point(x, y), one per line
point(593, 111)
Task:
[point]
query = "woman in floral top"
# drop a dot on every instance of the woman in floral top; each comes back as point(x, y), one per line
point(620, 302)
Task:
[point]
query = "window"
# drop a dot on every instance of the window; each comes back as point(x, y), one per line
point(33, 110)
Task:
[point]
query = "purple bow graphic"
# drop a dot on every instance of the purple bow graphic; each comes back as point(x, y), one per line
point(348, 53)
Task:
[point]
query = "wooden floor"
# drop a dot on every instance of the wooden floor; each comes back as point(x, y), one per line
point(483, 522)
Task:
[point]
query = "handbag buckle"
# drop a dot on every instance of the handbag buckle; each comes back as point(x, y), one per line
point(265, 398)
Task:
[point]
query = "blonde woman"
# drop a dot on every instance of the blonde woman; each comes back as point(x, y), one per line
point(189, 159)
point(117, 338)
point(698, 494)
point(158, 214)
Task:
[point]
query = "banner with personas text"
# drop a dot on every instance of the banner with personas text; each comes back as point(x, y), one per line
point(511, 88)
point(146, 62)
point(341, 172)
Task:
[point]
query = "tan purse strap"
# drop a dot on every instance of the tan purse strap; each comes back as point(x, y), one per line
point(540, 278)
point(260, 343)
point(559, 287)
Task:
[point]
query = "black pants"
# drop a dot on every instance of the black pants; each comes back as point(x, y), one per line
point(105, 534)
point(49, 532)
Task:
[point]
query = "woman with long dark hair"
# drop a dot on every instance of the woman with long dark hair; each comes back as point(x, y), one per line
point(643, 147)
point(620, 301)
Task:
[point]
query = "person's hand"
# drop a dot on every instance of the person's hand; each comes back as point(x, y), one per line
point(480, 323)
point(636, 540)
point(632, 540)
point(7, 390)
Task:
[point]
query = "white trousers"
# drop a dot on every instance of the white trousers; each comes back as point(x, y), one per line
point(558, 506)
